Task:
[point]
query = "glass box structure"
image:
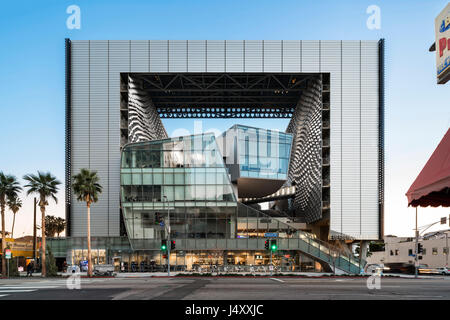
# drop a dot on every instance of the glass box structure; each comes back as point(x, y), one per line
point(258, 159)
point(183, 176)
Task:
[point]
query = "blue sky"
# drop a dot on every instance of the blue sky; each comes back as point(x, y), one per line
point(32, 74)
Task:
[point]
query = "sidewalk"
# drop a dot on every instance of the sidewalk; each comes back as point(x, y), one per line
point(231, 274)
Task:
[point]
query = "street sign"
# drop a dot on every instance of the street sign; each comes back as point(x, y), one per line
point(271, 235)
point(161, 223)
point(7, 253)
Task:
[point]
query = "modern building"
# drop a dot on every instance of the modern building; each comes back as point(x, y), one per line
point(321, 181)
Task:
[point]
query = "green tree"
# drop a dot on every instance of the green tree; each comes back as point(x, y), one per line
point(52, 270)
point(87, 188)
point(46, 186)
point(9, 188)
point(14, 205)
point(13, 271)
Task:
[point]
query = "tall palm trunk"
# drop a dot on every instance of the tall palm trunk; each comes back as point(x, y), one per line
point(89, 239)
point(3, 239)
point(43, 245)
point(12, 229)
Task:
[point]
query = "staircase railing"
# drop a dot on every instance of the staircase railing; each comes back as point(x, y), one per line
point(336, 257)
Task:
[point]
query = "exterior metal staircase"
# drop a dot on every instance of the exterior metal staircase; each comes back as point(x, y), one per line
point(339, 260)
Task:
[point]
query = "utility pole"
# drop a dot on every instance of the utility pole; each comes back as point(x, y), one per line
point(416, 258)
point(446, 246)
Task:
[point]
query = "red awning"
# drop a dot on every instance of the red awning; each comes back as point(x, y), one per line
point(432, 185)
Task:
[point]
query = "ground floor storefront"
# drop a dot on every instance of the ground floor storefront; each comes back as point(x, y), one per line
point(125, 259)
point(212, 260)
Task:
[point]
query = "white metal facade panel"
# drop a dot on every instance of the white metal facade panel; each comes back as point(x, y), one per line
point(96, 68)
point(119, 61)
point(80, 124)
point(178, 56)
point(369, 139)
point(215, 52)
point(98, 142)
point(291, 55)
point(196, 56)
point(253, 56)
point(273, 54)
point(234, 59)
point(351, 138)
point(310, 56)
point(139, 51)
point(159, 50)
point(331, 63)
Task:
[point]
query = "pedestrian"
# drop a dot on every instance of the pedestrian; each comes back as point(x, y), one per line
point(30, 267)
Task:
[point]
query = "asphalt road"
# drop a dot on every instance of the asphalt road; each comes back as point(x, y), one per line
point(214, 288)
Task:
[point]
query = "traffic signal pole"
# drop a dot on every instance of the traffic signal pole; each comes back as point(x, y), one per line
point(271, 267)
point(416, 258)
point(169, 243)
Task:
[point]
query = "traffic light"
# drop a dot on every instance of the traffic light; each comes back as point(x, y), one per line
point(172, 245)
point(273, 245)
point(164, 245)
point(267, 244)
point(419, 248)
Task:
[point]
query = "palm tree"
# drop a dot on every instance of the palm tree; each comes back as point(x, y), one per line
point(50, 226)
point(60, 225)
point(46, 186)
point(87, 189)
point(54, 225)
point(9, 188)
point(14, 205)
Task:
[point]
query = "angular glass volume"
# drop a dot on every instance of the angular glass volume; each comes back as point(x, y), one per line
point(252, 154)
point(185, 175)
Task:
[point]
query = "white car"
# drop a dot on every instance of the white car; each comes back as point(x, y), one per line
point(444, 271)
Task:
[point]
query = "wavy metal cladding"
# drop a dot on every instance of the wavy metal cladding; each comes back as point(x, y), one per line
point(144, 123)
point(305, 170)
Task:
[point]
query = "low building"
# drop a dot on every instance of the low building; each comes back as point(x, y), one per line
point(401, 250)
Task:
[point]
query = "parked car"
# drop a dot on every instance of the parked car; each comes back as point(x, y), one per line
point(376, 268)
point(444, 271)
point(104, 270)
point(424, 269)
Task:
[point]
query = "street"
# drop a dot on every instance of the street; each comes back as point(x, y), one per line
point(218, 288)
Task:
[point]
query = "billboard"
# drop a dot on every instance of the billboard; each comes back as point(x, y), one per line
point(442, 31)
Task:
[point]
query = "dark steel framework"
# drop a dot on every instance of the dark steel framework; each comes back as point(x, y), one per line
point(225, 95)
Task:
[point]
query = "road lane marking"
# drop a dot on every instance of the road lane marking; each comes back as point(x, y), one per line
point(275, 279)
point(9, 291)
point(29, 287)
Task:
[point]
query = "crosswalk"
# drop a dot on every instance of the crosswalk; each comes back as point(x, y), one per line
point(35, 285)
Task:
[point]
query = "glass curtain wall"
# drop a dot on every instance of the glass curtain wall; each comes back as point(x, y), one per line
point(263, 153)
point(184, 176)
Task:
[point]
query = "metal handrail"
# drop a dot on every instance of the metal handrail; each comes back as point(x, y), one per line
point(342, 253)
